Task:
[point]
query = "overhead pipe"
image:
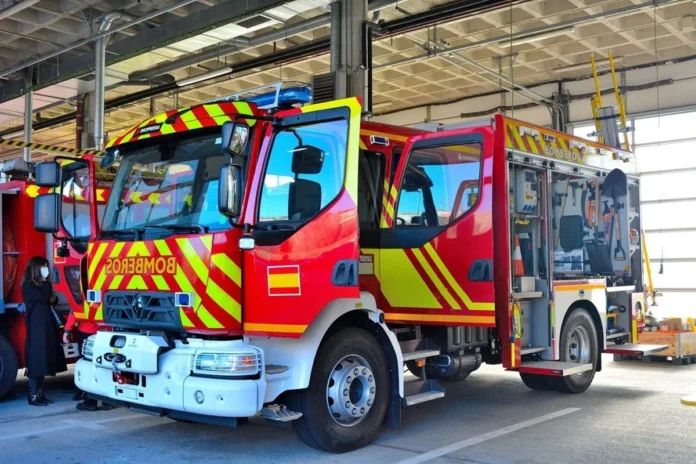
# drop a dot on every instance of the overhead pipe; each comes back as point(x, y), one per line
point(94, 37)
point(538, 30)
point(335, 53)
point(28, 112)
point(263, 39)
point(99, 70)
point(17, 7)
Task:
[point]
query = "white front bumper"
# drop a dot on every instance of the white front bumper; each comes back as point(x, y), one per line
point(173, 387)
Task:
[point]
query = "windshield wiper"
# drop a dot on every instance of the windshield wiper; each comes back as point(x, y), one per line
point(119, 233)
point(193, 228)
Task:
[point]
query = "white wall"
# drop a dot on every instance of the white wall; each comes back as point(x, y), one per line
point(681, 93)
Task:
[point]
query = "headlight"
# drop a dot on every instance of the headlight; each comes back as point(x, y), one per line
point(88, 348)
point(227, 364)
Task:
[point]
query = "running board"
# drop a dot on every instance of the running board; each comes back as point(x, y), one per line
point(279, 413)
point(420, 391)
point(635, 349)
point(414, 350)
point(553, 368)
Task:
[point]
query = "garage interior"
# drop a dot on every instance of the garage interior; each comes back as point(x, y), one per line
point(79, 73)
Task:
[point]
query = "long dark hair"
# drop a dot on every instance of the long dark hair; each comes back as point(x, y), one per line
point(33, 271)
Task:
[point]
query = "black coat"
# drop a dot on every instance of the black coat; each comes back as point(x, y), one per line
point(43, 351)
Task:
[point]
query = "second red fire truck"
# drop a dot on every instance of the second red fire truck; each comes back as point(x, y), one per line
point(291, 262)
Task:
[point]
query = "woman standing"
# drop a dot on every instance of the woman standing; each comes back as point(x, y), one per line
point(44, 355)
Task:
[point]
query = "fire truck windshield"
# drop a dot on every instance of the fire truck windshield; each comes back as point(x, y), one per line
point(171, 186)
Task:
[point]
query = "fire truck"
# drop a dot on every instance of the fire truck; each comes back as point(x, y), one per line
point(20, 243)
point(295, 262)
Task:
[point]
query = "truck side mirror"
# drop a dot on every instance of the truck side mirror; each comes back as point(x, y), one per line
point(235, 136)
point(46, 213)
point(48, 174)
point(307, 159)
point(230, 190)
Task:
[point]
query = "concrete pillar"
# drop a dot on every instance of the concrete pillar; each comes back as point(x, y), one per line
point(351, 76)
point(28, 111)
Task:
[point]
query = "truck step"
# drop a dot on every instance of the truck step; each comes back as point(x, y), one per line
point(279, 413)
point(420, 391)
point(532, 349)
point(635, 349)
point(419, 348)
point(553, 368)
point(420, 354)
point(146, 410)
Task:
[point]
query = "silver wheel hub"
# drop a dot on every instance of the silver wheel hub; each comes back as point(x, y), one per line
point(350, 391)
point(579, 350)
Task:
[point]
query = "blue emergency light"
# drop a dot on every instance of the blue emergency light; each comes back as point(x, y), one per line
point(283, 97)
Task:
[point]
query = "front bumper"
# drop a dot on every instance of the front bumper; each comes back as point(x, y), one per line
point(174, 388)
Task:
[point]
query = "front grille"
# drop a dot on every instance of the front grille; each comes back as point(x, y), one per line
point(133, 310)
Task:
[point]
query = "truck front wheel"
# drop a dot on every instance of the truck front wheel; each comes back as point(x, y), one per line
point(8, 367)
point(346, 401)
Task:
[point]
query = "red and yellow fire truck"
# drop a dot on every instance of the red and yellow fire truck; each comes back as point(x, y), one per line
point(291, 262)
point(20, 243)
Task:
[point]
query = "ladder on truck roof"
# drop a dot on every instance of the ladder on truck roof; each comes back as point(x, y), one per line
point(608, 126)
point(4, 306)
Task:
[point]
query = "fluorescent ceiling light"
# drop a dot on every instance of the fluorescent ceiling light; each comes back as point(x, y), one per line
point(204, 77)
point(384, 104)
point(536, 37)
point(575, 67)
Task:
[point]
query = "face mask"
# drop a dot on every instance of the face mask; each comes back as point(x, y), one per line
point(44, 272)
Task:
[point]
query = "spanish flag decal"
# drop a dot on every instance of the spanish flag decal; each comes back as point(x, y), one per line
point(284, 280)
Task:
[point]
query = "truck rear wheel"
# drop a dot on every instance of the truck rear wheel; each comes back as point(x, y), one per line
point(8, 367)
point(534, 381)
point(346, 401)
point(578, 344)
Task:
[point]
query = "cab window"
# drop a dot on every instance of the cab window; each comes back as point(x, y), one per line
point(439, 185)
point(305, 171)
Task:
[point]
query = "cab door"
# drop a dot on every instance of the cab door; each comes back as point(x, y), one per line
point(436, 257)
point(303, 211)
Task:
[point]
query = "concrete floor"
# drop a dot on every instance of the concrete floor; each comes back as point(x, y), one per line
point(631, 414)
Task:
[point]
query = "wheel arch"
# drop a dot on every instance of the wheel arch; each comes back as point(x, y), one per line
point(299, 354)
point(592, 310)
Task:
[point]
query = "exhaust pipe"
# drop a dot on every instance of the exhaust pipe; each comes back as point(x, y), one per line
point(446, 365)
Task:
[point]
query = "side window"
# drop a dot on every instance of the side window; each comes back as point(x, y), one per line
point(75, 197)
point(370, 189)
point(439, 185)
point(305, 171)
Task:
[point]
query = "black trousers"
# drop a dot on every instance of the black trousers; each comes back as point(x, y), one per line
point(35, 384)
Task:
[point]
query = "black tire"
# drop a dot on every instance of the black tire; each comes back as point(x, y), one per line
point(317, 427)
point(579, 321)
point(535, 382)
point(8, 367)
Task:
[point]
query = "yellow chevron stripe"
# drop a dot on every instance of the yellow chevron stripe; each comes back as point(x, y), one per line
point(160, 282)
point(226, 302)
point(181, 279)
point(116, 251)
point(116, 283)
point(533, 144)
point(97, 257)
point(207, 242)
point(217, 114)
point(362, 145)
point(481, 306)
point(162, 247)
point(136, 283)
point(99, 313)
point(518, 138)
point(393, 193)
point(207, 318)
point(228, 267)
point(245, 108)
point(185, 321)
point(194, 260)
point(192, 124)
point(435, 279)
point(138, 249)
point(101, 279)
point(168, 129)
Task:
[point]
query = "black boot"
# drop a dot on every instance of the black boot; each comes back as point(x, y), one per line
point(79, 396)
point(43, 397)
point(35, 400)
